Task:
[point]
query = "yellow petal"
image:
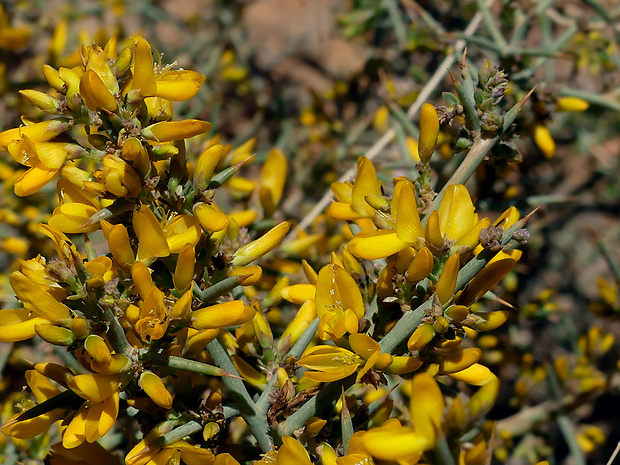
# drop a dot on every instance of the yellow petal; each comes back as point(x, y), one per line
point(71, 217)
point(95, 387)
point(476, 374)
point(118, 241)
point(18, 324)
point(261, 246)
point(74, 435)
point(165, 131)
point(211, 219)
point(207, 161)
point(402, 364)
point(273, 177)
point(95, 94)
point(447, 281)
point(299, 293)
point(365, 184)
point(422, 335)
point(33, 180)
point(373, 245)
point(459, 360)
point(408, 226)
point(394, 444)
point(421, 266)
point(154, 387)
point(426, 406)
point(179, 85)
point(456, 212)
point(43, 303)
point(486, 279)
point(184, 270)
point(335, 288)
point(292, 452)
point(181, 230)
point(109, 412)
point(143, 72)
point(151, 239)
point(231, 313)
point(343, 211)
point(98, 349)
point(544, 140)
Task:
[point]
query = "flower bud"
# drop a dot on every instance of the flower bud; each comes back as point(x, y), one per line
point(56, 335)
point(544, 141)
point(165, 131)
point(262, 245)
point(572, 104)
point(154, 387)
point(211, 219)
point(429, 130)
point(41, 100)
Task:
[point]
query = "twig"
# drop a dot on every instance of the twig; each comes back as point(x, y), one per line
point(613, 456)
point(378, 146)
point(256, 422)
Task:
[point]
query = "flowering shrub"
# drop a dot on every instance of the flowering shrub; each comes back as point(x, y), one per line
point(190, 329)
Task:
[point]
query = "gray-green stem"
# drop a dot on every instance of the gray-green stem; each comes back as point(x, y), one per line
point(255, 420)
point(262, 404)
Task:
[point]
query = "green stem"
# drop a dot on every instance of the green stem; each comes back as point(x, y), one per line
point(564, 422)
point(263, 402)
point(325, 398)
point(256, 422)
point(346, 424)
point(609, 258)
point(185, 364)
point(177, 434)
point(491, 26)
point(218, 289)
point(116, 335)
point(441, 454)
point(404, 327)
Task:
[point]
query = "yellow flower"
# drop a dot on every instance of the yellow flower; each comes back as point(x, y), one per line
point(96, 416)
point(152, 241)
point(95, 94)
point(184, 270)
point(37, 300)
point(393, 441)
point(175, 85)
point(43, 390)
point(77, 206)
point(261, 246)
point(339, 303)
point(231, 313)
point(154, 316)
point(572, 104)
point(119, 177)
point(455, 224)
point(211, 219)
point(351, 204)
point(329, 363)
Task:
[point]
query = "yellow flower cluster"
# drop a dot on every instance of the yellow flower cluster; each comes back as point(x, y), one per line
point(174, 328)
